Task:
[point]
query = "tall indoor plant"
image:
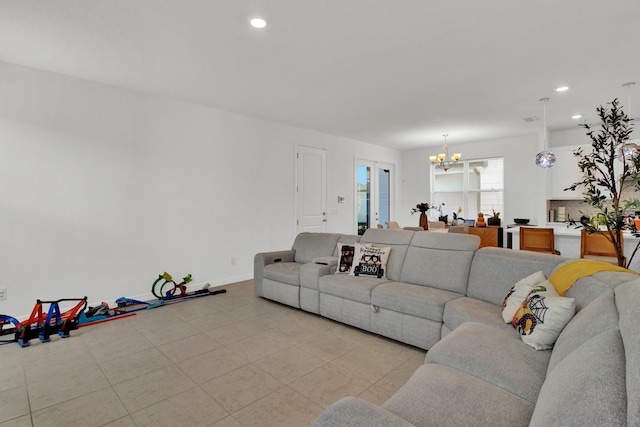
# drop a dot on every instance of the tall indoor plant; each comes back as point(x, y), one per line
point(611, 167)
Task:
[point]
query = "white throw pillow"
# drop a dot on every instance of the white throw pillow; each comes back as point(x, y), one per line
point(543, 316)
point(518, 293)
point(370, 261)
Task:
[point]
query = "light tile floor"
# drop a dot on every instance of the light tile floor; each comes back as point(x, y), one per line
point(226, 360)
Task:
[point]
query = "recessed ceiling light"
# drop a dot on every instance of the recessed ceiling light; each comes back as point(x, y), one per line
point(576, 116)
point(562, 88)
point(258, 23)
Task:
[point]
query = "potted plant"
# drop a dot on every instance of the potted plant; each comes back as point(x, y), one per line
point(494, 219)
point(609, 169)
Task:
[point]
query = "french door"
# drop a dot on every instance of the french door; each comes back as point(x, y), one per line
point(374, 194)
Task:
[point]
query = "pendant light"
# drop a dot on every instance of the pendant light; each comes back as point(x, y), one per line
point(629, 149)
point(545, 159)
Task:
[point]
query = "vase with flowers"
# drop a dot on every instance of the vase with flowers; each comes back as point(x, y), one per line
point(422, 208)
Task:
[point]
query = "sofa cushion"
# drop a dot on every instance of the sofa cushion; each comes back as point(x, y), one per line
point(285, 272)
point(518, 294)
point(398, 240)
point(467, 309)
point(349, 287)
point(348, 239)
point(440, 260)
point(495, 270)
point(599, 316)
point(308, 246)
point(438, 395)
point(416, 300)
point(494, 355)
point(587, 388)
point(589, 288)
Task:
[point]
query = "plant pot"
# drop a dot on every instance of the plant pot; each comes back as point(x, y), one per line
point(493, 221)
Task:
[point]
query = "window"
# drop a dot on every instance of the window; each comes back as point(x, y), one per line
point(472, 185)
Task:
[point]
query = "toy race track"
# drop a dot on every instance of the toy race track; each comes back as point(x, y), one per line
point(39, 325)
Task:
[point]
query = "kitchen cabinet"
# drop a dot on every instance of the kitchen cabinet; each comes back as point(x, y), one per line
point(565, 173)
point(489, 236)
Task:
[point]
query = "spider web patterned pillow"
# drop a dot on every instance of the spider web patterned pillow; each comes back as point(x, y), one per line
point(543, 316)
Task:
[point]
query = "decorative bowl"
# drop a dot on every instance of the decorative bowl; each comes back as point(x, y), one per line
point(521, 220)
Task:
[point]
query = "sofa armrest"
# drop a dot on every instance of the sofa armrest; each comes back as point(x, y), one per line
point(261, 260)
point(354, 412)
point(311, 273)
point(331, 261)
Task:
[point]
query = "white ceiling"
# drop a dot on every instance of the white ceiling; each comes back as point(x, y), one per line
point(398, 73)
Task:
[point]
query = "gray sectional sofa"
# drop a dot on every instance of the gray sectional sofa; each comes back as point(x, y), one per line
point(445, 296)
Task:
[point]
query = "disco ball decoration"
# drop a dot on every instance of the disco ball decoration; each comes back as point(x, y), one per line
point(545, 159)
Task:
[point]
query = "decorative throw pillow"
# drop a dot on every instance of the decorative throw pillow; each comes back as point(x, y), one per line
point(518, 293)
point(543, 316)
point(346, 251)
point(370, 261)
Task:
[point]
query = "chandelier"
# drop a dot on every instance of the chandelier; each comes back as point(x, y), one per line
point(545, 159)
point(442, 160)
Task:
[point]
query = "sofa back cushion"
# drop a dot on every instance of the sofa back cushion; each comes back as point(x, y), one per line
point(349, 239)
point(440, 260)
point(593, 373)
point(597, 317)
point(628, 303)
point(587, 289)
point(588, 387)
point(398, 240)
point(309, 246)
point(495, 270)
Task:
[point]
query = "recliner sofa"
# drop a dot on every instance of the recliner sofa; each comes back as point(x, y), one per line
point(445, 296)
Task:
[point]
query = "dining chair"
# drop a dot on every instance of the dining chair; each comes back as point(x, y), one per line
point(597, 246)
point(462, 228)
point(537, 239)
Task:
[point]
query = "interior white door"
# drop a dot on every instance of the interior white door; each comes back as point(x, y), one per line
point(311, 196)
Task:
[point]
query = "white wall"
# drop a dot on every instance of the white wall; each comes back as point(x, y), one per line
point(524, 182)
point(573, 136)
point(102, 189)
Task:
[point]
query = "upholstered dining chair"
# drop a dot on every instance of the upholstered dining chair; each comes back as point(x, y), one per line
point(462, 228)
point(597, 246)
point(538, 239)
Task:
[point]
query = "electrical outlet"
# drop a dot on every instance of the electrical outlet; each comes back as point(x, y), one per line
point(234, 260)
point(3, 294)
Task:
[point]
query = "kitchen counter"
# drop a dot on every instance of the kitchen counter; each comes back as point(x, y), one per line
point(567, 241)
